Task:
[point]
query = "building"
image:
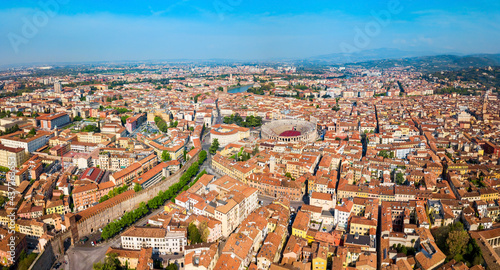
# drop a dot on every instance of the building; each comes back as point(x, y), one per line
point(10, 255)
point(29, 143)
point(200, 258)
point(361, 225)
point(161, 240)
point(276, 186)
point(342, 213)
point(134, 122)
point(31, 228)
point(235, 202)
point(153, 176)
point(301, 224)
point(57, 87)
point(227, 134)
point(85, 196)
point(53, 121)
point(92, 174)
point(125, 256)
point(289, 130)
point(324, 200)
point(10, 156)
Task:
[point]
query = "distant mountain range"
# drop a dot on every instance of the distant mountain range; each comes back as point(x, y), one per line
point(367, 55)
point(425, 61)
point(438, 62)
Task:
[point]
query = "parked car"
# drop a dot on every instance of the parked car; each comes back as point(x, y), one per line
point(84, 239)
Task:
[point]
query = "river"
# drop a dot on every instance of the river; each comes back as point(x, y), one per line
point(240, 89)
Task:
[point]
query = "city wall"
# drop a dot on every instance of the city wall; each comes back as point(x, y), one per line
point(55, 247)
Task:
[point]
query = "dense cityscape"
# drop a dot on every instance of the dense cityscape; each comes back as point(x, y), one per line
point(249, 135)
point(248, 166)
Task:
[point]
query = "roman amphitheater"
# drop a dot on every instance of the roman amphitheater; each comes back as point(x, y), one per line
point(290, 130)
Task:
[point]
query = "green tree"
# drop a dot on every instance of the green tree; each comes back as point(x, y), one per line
point(457, 243)
point(204, 231)
point(137, 187)
point(214, 147)
point(90, 128)
point(194, 235)
point(165, 156)
point(103, 198)
point(400, 179)
point(124, 119)
point(196, 98)
point(32, 132)
point(111, 262)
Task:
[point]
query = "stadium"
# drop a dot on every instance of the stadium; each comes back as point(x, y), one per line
point(290, 131)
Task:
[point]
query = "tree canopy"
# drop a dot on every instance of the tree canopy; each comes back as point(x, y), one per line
point(250, 121)
point(213, 148)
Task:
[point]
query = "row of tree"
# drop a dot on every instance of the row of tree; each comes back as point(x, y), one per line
point(131, 217)
point(250, 121)
point(115, 191)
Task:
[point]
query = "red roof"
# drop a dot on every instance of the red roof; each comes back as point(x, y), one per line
point(290, 133)
point(92, 173)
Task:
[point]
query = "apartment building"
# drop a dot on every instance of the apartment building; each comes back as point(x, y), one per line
point(234, 202)
point(161, 240)
point(134, 122)
point(53, 121)
point(28, 143)
point(10, 156)
point(276, 186)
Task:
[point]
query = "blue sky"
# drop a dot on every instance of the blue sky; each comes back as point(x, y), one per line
point(92, 30)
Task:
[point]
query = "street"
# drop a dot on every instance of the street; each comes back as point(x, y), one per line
point(266, 200)
point(81, 257)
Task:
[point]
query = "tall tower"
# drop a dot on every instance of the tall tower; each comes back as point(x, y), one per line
point(485, 103)
point(272, 164)
point(57, 87)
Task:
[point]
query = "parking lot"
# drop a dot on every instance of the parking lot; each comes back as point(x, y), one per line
point(90, 240)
